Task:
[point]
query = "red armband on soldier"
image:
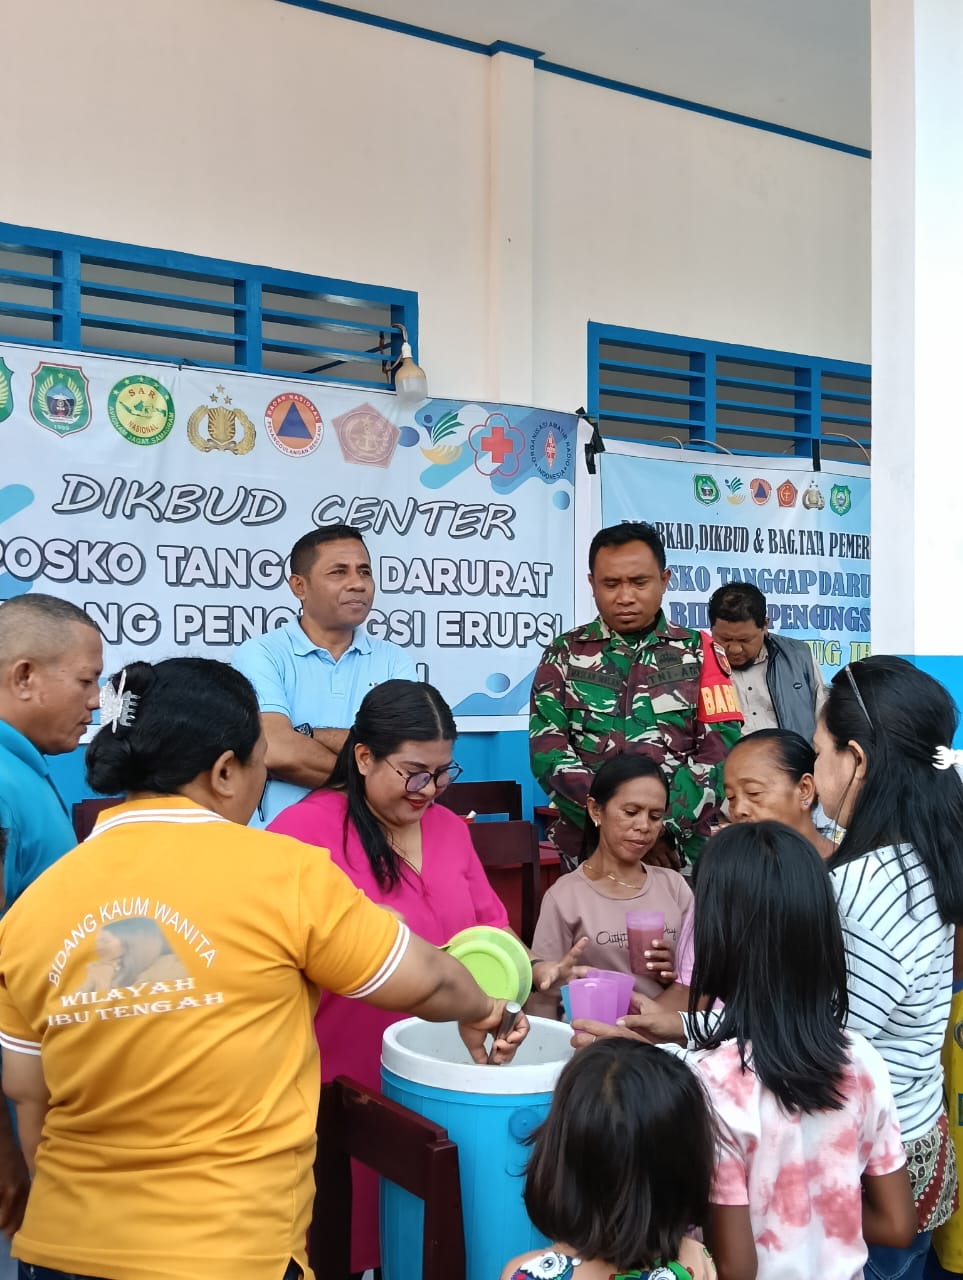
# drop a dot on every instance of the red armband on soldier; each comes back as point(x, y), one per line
point(718, 703)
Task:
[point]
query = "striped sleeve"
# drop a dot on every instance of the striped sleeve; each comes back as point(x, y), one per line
point(16, 1033)
point(15, 1044)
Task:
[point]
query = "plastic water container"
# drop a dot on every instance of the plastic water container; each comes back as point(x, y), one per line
point(488, 1112)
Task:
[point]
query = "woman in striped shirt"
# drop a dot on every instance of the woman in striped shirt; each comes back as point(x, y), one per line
point(898, 877)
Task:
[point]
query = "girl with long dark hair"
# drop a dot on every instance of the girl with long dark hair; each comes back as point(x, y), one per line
point(883, 743)
point(811, 1163)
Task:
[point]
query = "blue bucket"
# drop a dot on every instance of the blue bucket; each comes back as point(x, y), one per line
point(488, 1113)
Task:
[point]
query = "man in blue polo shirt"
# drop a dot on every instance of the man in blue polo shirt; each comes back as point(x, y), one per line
point(311, 675)
point(50, 659)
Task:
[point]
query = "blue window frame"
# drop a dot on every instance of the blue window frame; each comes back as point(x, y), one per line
point(94, 295)
point(660, 388)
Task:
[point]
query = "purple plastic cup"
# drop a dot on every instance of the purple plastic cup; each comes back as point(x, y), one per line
point(641, 927)
point(591, 999)
point(624, 984)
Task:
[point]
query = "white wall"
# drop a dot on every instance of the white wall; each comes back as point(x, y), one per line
point(256, 131)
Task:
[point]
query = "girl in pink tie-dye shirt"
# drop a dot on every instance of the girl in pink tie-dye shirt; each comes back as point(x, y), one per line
point(811, 1165)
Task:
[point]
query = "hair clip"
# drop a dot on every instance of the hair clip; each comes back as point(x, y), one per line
point(946, 757)
point(118, 707)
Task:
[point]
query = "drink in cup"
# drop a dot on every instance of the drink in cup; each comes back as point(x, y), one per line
point(642, 927)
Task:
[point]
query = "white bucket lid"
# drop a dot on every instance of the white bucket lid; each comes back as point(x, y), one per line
point(433, 1053)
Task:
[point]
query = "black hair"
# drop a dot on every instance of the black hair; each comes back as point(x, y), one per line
point(40, 617)
point(391, 713)
point(622, 1163)
point(790, 751)
point(610, 777)
point(738, 602)
point(189, 711)
point(303, 551)
point(768, 943)
point(619, 535)
point(903, 799)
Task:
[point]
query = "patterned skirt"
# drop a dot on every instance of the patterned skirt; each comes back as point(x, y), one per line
point(931, 1162)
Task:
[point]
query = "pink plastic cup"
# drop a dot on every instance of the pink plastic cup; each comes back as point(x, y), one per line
point(624, 984)
point(595, 1000)
point(642, 927)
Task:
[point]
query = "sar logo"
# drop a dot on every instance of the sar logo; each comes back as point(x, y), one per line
point(812, 499)
point(60, 398)
point(706, 490)
point(840, 499)
point(293, 424)
point(366, 436)
point(760, 491)
point(222, 421)
point(735, 494)
point(786, 494)
point(6, 391)
point(141, 409)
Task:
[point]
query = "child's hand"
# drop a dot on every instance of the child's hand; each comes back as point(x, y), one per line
point(696, 1259)
point(654, 1022)
point(660, 961)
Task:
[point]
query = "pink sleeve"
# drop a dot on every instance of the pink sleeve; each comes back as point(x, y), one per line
point(318, 819)
point(881, 1148)
point(730, 1183)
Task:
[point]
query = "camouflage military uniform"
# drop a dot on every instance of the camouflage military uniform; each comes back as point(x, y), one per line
point(596, 695)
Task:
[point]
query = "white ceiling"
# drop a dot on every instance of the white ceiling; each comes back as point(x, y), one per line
point(799, 63)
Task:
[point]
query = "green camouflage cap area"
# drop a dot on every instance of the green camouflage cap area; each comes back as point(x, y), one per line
point(597, 694)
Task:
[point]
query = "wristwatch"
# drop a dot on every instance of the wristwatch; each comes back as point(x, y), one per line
point(305, 729)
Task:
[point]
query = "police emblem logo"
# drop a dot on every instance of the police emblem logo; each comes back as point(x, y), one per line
point(706, 490)
point(760, 490)
point(293, 424)
point(840, 499)
point(141, 409)
point(366, 436)
point(60, 398)
point(6, 391)
point(229, 429)
point(812, 499)
point(786, 494)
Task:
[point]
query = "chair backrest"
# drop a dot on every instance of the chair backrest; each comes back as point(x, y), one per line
point(513, 844)
point(85, 814)
point(484, 797)
point(355, 1122)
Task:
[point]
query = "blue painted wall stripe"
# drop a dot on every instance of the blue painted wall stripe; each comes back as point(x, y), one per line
point(573, 73)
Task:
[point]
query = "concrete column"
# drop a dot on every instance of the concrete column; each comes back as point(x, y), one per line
point(917, 228)
point(512, 215)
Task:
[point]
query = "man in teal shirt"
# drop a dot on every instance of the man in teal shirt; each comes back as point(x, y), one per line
point(50, 661)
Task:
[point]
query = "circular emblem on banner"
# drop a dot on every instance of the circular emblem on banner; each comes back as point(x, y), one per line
point(294, 424)
point(366, 436)
point(141, 409)
point(550, 451)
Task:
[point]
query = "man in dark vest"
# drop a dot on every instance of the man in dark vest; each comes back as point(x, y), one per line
point(777, 680)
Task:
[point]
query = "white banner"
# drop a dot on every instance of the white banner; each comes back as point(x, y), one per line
point(801, 536)
point(165, 500)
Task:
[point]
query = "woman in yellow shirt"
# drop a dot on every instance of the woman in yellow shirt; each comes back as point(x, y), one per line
point(170, 1109)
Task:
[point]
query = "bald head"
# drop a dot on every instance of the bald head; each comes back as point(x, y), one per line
point(38, 627)
point(50, 659)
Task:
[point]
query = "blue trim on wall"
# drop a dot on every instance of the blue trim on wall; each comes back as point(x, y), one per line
point(573, 73)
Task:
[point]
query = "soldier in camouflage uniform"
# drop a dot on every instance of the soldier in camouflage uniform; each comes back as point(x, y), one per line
point(631, 681)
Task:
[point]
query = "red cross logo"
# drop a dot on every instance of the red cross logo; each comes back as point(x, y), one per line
point(498, 445)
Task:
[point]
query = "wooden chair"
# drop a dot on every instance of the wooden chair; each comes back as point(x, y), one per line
point(85, 814)
point(355, 1122)
point(513, 844)
point(484, 797)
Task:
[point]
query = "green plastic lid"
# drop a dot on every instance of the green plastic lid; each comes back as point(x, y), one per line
point(496, 960)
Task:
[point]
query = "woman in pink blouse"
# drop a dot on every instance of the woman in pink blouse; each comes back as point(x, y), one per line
point(378, 818)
